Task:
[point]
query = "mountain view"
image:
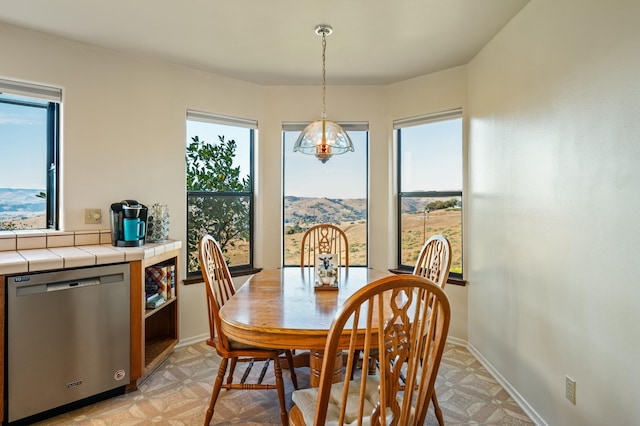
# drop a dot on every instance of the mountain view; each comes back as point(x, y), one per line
point(22, 208)
point(302, 211)
point(421, 217)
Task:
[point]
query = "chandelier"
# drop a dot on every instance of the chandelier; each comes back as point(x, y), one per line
point(323, 138)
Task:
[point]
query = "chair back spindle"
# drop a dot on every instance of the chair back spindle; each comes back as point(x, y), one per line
point(219, 289)
point(218, 285)
point(406, 319)
point(434, 260)
point(322, 239)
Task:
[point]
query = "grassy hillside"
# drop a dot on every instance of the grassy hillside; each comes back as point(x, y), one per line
point(417, 228)
point(301, 213)
point(356, 235)
point(23, 222)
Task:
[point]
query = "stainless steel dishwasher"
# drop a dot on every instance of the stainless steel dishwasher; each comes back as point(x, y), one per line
point(67, 339)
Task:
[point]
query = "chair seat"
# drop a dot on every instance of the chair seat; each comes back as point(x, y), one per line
point(238, 346)
point(306, 399)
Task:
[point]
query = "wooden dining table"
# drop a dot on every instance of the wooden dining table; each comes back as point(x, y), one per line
point(282, 309)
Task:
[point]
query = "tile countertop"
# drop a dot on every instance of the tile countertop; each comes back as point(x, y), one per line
point(42, 259)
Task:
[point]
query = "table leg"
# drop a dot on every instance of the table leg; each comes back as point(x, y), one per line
point(300, 359)
point(315, 367)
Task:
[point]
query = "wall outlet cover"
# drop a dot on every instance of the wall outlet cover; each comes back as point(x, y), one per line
point(570, 389)
point(92, 216)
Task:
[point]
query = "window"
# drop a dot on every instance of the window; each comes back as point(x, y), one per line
point(219, 156)
point(430, 185)
point(29, 123)
point(334, 192)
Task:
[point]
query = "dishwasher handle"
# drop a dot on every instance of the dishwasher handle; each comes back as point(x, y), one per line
point(69, 284)
point(86, 282)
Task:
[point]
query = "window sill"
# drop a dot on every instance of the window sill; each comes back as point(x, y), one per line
point(451, 280)
point(197, 278)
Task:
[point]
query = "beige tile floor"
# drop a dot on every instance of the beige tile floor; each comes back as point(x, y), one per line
point(178, 394)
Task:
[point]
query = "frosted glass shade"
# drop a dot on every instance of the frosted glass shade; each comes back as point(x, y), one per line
point(323, 138)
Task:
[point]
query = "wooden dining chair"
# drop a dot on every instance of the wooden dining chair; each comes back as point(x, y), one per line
point(434, 260)
point(220, 289)
point(434, 263)
point(405, 308)
point(324, 238)
point(321, 239)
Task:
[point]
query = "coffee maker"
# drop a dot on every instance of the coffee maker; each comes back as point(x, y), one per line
point(128, 223)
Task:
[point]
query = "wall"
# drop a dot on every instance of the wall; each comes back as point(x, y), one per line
point(441, 91)
point(554, 183)
point(123, 130)
point(344, 103)
point(123, 135)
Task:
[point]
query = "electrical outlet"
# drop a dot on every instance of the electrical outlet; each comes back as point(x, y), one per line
point(570, 389)
point(92, 216)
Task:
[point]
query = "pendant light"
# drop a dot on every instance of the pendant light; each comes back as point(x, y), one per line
point(323, 138)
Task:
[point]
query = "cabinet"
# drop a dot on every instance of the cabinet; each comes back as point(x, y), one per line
point(154, 332)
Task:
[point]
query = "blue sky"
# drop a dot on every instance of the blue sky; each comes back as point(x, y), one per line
point(431, 156)
point(431, 159)
point(343, 176)
point(22, 146)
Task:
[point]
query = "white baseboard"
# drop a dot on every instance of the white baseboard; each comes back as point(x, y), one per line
point(192, 340)
point(528, 409)
point(457, 341)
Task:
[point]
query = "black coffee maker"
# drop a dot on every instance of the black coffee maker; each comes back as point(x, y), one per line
point(128, 223)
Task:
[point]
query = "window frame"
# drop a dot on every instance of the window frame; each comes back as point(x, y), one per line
point(252, 126)
point(398, 125)
point(348, 126)
point(53, 97)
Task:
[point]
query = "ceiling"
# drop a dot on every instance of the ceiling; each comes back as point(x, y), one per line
point(274, 42)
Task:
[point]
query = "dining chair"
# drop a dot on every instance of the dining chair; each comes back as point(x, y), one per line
point(434, 260)
point(393, 314)
point(325, 238)
point(434, 263)
point(321, 239)
point(220, 289)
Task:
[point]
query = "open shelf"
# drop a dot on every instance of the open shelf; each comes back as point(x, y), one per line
point(154, 332)
point(156, 351)
point(150, 312)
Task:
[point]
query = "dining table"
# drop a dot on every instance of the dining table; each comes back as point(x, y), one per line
point(283, 309)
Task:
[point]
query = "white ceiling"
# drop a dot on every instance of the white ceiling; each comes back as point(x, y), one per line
point(273, 42)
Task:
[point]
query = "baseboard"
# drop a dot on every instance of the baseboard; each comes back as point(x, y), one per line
point(457, 341)
point(192, 340)
point(519, 399)
point(529, 411)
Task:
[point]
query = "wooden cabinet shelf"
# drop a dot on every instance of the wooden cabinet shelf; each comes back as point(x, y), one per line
point(150, 312)
point(156, 351)
point(154, 332)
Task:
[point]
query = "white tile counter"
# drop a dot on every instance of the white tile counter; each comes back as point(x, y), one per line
point(29, 251)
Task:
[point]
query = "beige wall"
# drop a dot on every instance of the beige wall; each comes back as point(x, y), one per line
point(123, 133)
point(550, 231)
point(554, 102)
point(123, 130)
point(302, 103)
point(428, 94)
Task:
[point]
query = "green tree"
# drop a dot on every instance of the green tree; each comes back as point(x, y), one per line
point(215, 207)
point(440, 205)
